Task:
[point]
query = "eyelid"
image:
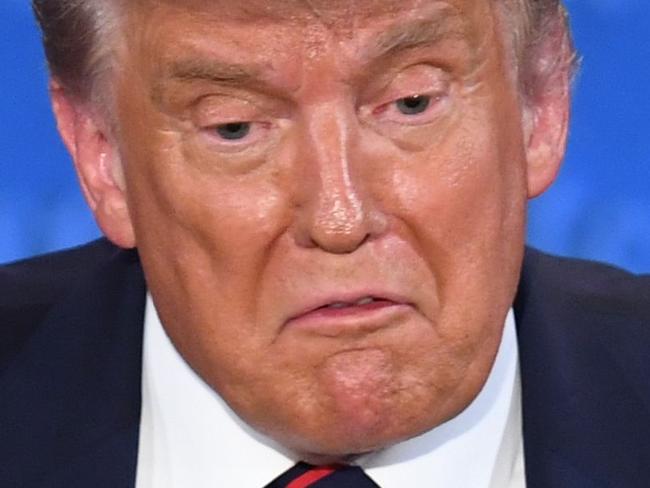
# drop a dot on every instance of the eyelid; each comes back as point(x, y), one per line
point(213, 113)
point(435, 97)
point(213, 142)
point(405, 90)
point(217, 107)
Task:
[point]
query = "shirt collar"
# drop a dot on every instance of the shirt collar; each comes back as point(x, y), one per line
point(190, 437)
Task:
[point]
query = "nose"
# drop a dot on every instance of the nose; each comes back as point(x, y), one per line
point(336, 212)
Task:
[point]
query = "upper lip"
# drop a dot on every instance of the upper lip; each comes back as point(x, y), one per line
point(327, 299)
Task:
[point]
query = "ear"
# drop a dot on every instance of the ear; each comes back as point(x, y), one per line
point(96, 159)
point(546, 142)
point(546, 116)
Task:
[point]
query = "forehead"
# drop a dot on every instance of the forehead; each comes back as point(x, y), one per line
point(280, 41)
point(338, 16)
point(327, 11)
point(273, 30)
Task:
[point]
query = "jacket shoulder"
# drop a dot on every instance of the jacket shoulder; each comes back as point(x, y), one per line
point(582, 286)
point(584, 337)
point(44, 278)
point(30, 288)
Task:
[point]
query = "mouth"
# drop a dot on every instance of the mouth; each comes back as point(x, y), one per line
point(365, 312)
point(364, 303)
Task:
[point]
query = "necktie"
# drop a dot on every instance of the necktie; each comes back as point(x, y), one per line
point(304, 475)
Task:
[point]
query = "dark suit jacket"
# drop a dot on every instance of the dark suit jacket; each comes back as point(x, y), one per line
point(70, 366)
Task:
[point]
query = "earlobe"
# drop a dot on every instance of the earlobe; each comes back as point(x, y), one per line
point(96, 160)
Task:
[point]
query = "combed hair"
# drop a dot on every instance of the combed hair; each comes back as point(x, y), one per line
point(76, 37)
point(76, 40)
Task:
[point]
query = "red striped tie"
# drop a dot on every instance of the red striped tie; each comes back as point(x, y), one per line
point(304, 475)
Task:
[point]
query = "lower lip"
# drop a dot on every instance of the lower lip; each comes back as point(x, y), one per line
point(334, 321)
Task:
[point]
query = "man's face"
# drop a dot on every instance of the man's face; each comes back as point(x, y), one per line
point(328, 200)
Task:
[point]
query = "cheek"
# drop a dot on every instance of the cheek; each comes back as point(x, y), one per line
point(189, 196)
point(457, 200)
point(203, 238)
point(463, 205)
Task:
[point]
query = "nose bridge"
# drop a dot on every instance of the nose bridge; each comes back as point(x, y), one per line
point(337, 200)
point(335, 215)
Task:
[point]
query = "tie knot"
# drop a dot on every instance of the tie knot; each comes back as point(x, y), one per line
point(304, 475)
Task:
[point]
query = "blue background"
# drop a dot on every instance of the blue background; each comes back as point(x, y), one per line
point(599, 208)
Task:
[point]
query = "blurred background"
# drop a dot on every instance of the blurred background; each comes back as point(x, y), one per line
point(599, 208)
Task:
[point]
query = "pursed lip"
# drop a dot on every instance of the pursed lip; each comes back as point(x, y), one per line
point(326, 313)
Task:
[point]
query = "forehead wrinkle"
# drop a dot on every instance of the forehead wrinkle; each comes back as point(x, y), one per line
point(427, 27)
point(421, 31)
point(318, 11)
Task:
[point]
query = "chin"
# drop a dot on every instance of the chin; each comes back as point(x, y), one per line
point(345, 437)
point(361, 401)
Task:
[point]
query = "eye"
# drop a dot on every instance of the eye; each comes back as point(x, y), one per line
point(413, 105)
point(237, 135)
point(233, 131)
point(418, 109)
point(416, 96)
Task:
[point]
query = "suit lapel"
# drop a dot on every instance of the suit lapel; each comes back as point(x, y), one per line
point(78, 382)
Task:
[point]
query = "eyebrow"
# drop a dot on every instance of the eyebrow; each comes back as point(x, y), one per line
point(428, 31)
point(202, 69)
point(211, 70)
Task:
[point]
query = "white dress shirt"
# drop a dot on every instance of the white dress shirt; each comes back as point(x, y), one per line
point(189, 437)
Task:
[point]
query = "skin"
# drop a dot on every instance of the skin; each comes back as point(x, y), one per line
point(334, 194)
